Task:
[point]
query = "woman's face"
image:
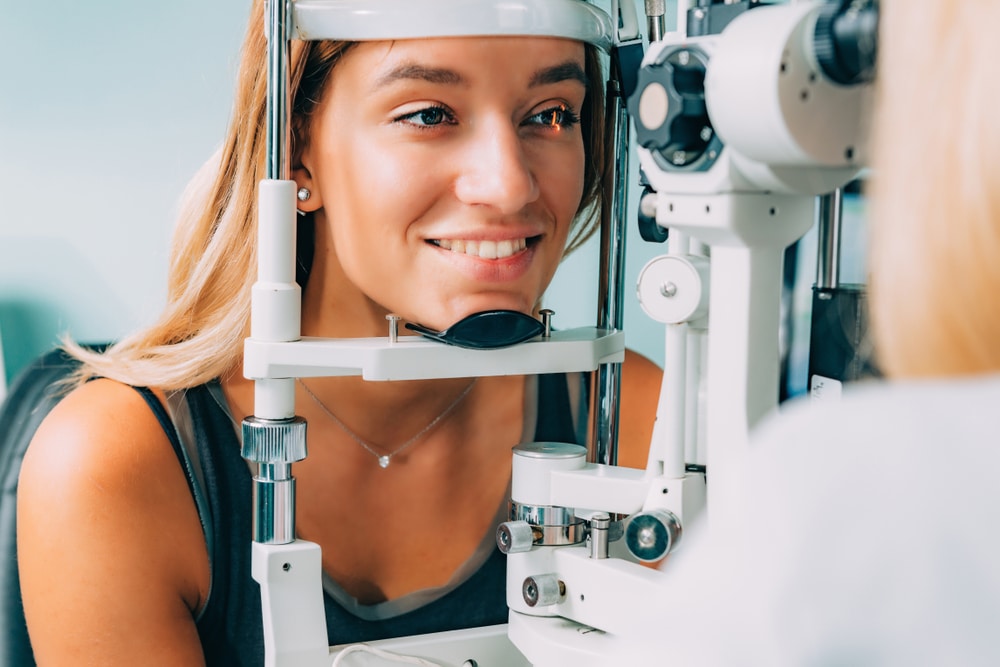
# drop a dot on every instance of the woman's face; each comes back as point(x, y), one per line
point(446, 174)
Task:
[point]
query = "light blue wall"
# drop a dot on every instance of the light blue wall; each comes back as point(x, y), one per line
point(106, 110)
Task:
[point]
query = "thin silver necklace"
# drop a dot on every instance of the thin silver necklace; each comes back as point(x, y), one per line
point(385, 459)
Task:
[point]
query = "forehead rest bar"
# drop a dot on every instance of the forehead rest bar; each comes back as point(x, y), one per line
point(366, 20)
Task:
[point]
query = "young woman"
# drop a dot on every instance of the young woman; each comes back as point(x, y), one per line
point(437, 178)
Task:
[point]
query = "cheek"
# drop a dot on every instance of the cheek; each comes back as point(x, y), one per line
point(372, 196)
point(564, 181)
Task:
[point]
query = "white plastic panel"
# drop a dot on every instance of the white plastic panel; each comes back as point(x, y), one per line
point(486, 646)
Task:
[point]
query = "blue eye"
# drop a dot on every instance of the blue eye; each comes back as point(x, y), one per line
point(559, 117)
point(429, 117)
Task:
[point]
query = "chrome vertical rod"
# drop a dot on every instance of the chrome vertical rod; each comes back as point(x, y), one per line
point(656, 19)
point(610, 302)
point(829, 218)
point(273, 444)
point(276, 23)
point(274, 500)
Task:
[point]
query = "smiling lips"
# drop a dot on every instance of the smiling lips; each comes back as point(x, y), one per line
point(483, 249)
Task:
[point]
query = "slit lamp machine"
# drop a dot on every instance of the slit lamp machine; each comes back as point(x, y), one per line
point(743, 118)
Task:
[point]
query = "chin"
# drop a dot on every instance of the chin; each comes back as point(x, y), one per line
point(481, 303)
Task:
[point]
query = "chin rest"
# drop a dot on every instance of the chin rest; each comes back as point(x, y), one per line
point(32, 395)
point(487, 330)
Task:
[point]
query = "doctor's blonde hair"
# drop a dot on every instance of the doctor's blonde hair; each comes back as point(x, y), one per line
point(935, 257)
point(213, 264)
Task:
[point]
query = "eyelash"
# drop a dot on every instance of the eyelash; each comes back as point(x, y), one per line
point(446, 115)
point(561, 117)
point(547, 118)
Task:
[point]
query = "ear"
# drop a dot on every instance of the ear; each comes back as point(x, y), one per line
point(303, 178)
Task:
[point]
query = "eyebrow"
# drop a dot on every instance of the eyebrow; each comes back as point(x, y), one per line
point(567, 71)
point(419, 73)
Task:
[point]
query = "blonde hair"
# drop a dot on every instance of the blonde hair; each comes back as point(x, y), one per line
point(935, 256)
point(199, 335)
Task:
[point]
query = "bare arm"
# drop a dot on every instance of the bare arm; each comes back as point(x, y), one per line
point(112, 559)
point(641, 380)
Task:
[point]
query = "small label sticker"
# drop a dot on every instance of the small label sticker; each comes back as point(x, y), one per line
point(824, 389)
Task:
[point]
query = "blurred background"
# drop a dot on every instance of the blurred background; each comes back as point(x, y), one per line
point(107, 109)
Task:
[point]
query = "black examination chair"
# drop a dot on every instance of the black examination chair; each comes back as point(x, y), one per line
point(32, 395)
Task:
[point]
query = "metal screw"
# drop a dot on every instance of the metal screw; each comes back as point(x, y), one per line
point(504, 538)
point(531, 592)
point(393, 327)
point(547, 314)
point(668, 290)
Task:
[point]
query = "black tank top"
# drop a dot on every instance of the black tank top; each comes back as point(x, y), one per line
point(230, 625)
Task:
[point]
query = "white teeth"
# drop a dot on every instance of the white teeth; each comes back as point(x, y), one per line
point(484, 249)
point(488, 249)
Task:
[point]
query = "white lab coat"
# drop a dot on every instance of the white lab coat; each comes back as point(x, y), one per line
point(870, 535)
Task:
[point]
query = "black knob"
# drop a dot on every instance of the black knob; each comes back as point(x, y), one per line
point(671, 117)
point(649, 230)
point(845, 40)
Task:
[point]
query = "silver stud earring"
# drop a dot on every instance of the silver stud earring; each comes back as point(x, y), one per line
point(303, 194)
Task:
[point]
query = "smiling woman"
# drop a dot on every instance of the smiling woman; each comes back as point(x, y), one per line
point(437, 178)
point(457, 138)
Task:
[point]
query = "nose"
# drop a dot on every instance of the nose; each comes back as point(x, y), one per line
point(495, 170)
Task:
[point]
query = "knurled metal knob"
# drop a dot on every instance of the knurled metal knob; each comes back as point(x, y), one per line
point(274, 440)
point(542, 590)
point(515, 537)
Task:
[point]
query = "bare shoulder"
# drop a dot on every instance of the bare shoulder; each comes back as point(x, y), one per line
point(95, 419)
point(102, 438)
point(110, 548)
point(641, 380)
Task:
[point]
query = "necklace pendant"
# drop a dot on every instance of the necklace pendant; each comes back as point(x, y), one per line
point(383, 461)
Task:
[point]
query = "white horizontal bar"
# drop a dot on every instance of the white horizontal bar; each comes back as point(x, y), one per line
point(419, 358)
point(361, 20)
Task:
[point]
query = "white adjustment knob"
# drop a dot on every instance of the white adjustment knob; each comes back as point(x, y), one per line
point(674, 288)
